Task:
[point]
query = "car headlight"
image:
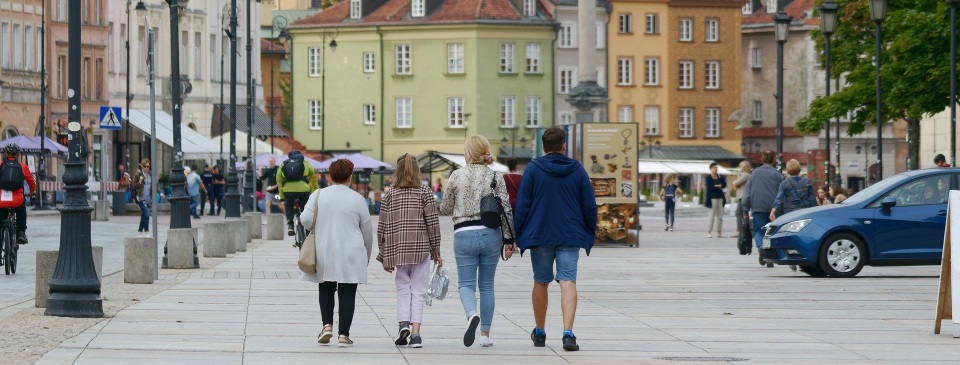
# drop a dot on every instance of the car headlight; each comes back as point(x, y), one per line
point(795, 226)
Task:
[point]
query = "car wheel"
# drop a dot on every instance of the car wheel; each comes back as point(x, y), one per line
point(842, 255)
point(813, 271)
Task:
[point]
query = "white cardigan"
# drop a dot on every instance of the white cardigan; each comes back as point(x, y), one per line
point(344, 235)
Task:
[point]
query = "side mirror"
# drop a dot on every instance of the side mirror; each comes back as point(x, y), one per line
point(888, 202)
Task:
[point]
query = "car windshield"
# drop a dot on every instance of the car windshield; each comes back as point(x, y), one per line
point(873, 190)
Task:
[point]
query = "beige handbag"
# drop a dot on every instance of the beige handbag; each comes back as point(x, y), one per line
point(308, 252)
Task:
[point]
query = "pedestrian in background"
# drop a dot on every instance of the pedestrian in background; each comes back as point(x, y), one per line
point(218, 186)
point(194, 185)
point(739, 184)
point(408, 236)
point(512, 179)
point(344, 242)
point(476, 247)
point(759, 195)
point(940, 160)
point(823, 196)
point(715, 200)
point(143, 189)
point(836, 194)
point(207, 178)
point(795, 193)
point(669, 193)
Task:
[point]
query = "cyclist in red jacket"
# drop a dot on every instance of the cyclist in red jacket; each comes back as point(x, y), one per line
point(12, 201)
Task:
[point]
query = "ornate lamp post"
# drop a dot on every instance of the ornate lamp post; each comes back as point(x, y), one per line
point(653, 142)
point(249, 201)
point(782, 30)
point(75, 285)
point(828, 25)
point(42, 168)
point(233, 192)
point(878, 10)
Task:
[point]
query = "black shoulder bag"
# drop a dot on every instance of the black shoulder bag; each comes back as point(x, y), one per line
point(491, 209)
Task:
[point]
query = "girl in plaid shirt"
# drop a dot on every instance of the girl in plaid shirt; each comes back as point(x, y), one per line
point(409, 237)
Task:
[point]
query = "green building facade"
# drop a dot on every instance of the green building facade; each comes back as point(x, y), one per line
point(386, 87)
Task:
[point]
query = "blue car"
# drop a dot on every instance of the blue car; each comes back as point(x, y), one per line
point(897, 221)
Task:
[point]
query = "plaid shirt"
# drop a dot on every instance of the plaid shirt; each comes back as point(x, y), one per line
point(409, 228)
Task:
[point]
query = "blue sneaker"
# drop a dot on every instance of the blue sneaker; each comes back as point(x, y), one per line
point(539, 337)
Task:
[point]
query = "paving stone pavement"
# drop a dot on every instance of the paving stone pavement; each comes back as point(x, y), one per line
point(678, 298)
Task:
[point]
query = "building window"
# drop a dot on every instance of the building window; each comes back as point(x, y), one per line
point(755, 58)
point(772, 6)
point(625, 24)
point(403, 66)
point(98, 91)
point(214, 75)
point(404, 113)
point(369, 114)
point(568, 36)
point(652, 24)
point(5, 44)
point(506, 58)
point(533, 57)
point(455, 112)
point(40, 47)
point(567, 79)
point(566, 118)
point(17, 47)
point(624, 71)
point(355, 9)
point(533, 111)
point(313, 61)
point(417, 8)
point(455, 58)
point(85, 76)
point(602, 76)
point(651, 72)
point(314, 114)
point(529, 8)
point(625, 114)
point(62, 10)
point(197, 60)
point(686, 30)
point(508, 111)
point(712, 76)
point(713, 30)
point(184, 56)
point(686, 74)
point(747, 8)
point(28, 47)
point(757, 110)
point(686, 122)
point(712, 122)
point(369, 62)
point(62, 76)
point(601, 36)
point(651, 120)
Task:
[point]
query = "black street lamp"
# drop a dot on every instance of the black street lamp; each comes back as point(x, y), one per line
point(862, 145)
point(782, 30)
point(141, 9)
point(953, 81)
point(278, 22)
point(42, 168)
point(224, 14)
point(249, 201)
point(75, 285)
point(233, 191)
point(653, 142)
point(828, 25)
point(878, 10)
point(513, 144)
point(179, 200)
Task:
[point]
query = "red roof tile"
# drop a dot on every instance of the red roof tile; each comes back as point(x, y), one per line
point(397, 11)
point(796, 10)
point(269, 45)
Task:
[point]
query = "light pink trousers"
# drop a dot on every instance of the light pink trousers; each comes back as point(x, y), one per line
point(412, 281)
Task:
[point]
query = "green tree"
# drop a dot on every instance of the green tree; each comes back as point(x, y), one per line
point(286, 110)
point(914, 74)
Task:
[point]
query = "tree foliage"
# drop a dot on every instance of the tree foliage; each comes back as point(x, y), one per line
point(915, 64)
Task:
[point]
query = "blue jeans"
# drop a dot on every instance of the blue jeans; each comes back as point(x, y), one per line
point(144, 216)
point(194, 201)
point(477, 253)
point(759, 220)
point(669, 207)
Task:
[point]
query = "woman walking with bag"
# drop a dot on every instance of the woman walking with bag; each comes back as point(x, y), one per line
point(409, 236)
point(143, 189)
point(669, 193)
point(343, 241)
point(715, 199)
point(477, 248)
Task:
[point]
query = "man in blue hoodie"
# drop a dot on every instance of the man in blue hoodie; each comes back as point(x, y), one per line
point(556, 216)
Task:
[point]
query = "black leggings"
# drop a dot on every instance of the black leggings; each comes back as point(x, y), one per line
point(290, 199)
point(347, 293)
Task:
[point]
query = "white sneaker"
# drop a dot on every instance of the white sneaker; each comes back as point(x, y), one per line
point(485, 341)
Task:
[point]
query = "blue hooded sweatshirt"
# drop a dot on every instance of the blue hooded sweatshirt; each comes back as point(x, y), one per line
point(555, 205)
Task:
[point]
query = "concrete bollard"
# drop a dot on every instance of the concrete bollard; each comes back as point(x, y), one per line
point(275, 225)
point(196, 235)
point(215, 239)
point(101, 210)
point(139, 261)
point(230, 239)
point(257, 226)
point(248, 225)
point(180, 248)
point(47, 263)
point(242, 235)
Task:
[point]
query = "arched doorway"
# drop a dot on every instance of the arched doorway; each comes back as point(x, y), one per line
point(10, 132)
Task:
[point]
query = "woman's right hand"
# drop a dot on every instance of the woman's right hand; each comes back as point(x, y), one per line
point(388, 269)
point(439, 261)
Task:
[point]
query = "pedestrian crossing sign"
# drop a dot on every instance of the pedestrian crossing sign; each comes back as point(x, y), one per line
point(110, 118)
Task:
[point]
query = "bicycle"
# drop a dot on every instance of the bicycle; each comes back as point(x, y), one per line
point(8, 241)
point(300, 233)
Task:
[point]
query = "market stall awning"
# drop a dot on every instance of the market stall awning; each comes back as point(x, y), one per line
point(695, 153)
point(193, 144)
point(31, 146)
point(647, 166)
point(360, 163)
point(438, 161)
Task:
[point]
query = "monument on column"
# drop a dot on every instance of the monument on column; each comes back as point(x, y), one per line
point(588, 96)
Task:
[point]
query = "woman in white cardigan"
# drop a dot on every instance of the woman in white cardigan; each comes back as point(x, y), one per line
point(344, 240)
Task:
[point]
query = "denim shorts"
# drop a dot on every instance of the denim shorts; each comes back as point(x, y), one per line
point(543, 258)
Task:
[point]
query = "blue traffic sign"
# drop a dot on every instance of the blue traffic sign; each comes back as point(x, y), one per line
point(110, 118)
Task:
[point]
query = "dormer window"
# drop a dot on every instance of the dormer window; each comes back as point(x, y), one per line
point(772, 6)
point(417, 8)
point(355, 9)
point(529, 8)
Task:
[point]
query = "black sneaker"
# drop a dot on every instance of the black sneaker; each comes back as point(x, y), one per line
point(290, 229)
point(471, 333)
point(570, 343)
point(21, 237)
point(539, 340)
point(416, 342)
point(404, 333)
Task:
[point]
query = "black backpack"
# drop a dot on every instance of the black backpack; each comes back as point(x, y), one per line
point(11, 175)
point(293, 170)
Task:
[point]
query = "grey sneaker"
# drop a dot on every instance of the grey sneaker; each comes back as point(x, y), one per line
point(403, 334)
point(416, 342)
